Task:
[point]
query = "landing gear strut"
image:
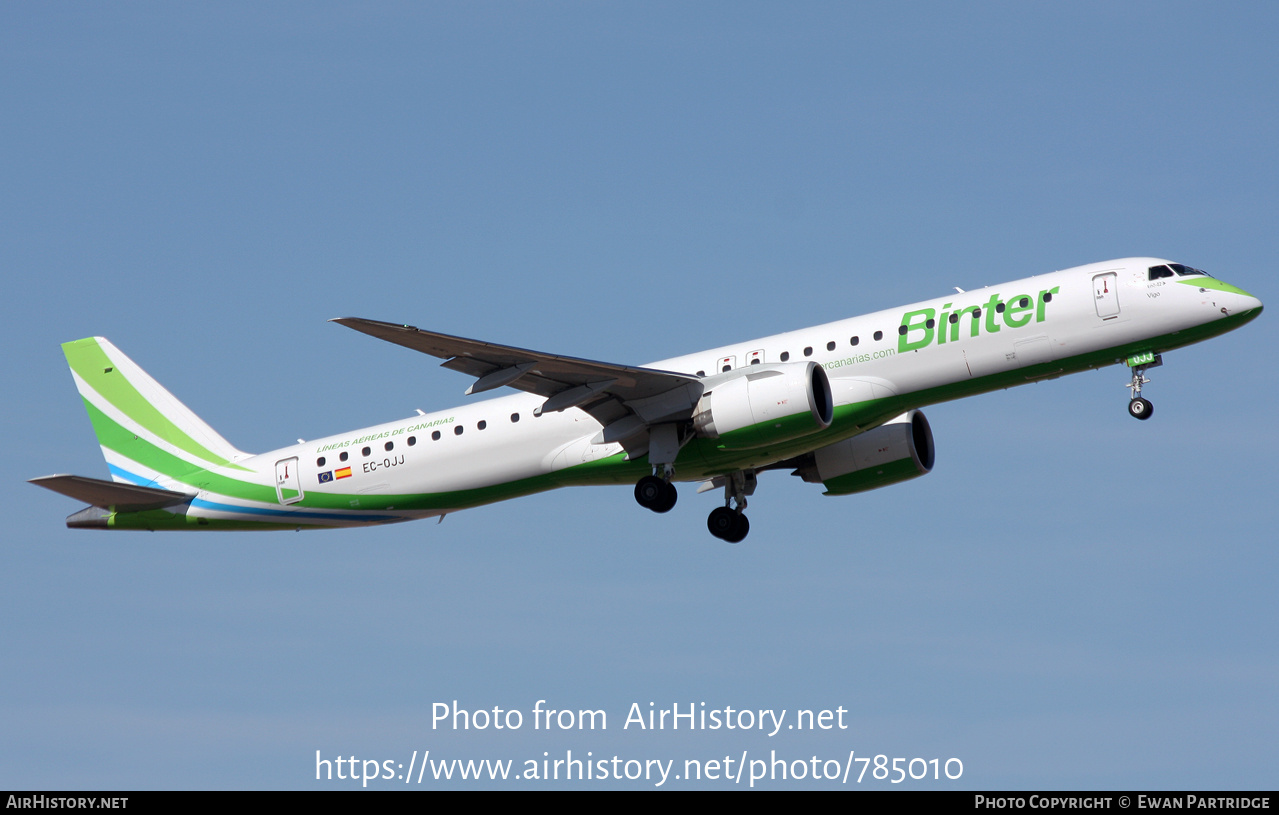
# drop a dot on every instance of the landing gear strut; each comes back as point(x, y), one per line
point(1139, 407)
point(656, 492)
point(729, 523)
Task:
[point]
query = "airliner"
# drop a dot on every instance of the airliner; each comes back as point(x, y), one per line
point(837, 404)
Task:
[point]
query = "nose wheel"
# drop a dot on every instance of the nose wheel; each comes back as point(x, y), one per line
point(1140, 408)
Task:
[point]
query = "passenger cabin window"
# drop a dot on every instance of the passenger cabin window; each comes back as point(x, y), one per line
point(457, 431)
point(808, 352)
point(412, 440)
point(389, 446)
point(482, 424)
point(785, 356)
point(879, 335)
point(319, 462)
point(830, 346)
point(435, 436)
point(365, 452)
point(342, 456)
point(854, 340)
point(515, 417)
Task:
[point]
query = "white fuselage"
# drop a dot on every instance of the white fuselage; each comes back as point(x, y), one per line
point(497, 448)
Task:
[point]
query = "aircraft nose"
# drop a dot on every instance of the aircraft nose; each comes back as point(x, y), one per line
point(1250, 307)
point(1247, 303)
point(1238, 301)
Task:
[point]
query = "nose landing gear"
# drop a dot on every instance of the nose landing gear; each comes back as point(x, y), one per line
point(1139, 407)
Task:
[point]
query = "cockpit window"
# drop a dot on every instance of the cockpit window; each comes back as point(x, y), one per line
point(1186, 271)
point(1157, 272)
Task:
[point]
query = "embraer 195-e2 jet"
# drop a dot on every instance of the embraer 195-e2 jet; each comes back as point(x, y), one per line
point(836, 404)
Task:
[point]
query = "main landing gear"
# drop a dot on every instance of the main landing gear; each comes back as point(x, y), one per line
point(1139, 407)
point(656, 493)
point(730, 523)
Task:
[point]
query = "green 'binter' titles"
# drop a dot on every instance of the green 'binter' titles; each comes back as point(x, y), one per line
point(922, 328)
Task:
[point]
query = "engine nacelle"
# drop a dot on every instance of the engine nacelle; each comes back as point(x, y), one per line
point(761, 405)
point(898, 450)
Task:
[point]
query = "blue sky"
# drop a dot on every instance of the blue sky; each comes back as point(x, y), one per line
point(1070, 600)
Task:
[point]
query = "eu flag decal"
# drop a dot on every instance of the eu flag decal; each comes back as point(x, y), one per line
point(326, 477)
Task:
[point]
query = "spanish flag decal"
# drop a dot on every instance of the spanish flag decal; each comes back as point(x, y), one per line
point(345, 472)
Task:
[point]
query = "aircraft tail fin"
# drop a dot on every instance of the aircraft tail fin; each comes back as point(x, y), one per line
point(137, 421)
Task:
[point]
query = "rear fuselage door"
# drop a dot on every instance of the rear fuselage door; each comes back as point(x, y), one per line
point(288, 486)
point(1105, 296)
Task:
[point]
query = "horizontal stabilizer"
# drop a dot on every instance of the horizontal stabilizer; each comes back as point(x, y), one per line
point(111, 494)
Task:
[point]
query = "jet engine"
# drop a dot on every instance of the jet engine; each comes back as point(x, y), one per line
point(898, 450)
point(761, 405)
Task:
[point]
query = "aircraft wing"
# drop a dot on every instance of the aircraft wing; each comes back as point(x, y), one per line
point(110, 494)
point(624, 398)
